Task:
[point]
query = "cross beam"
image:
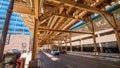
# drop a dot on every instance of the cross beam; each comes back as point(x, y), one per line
point(21, 9)
point(80, 6)
point(68, 31)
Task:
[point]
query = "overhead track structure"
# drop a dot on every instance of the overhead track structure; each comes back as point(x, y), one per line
point(59, 15)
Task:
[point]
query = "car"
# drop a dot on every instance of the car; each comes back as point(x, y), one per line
point(48, 50)
point(63, 51)
point(15, 51)
point(55, 52)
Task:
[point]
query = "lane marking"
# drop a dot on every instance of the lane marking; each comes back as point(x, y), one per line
point(51, 56)
point(69, 66)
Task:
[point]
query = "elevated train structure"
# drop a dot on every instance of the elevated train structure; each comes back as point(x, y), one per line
point(83, 25)
point(106, 41)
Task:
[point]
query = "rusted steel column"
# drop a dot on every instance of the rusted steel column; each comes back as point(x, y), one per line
point(70, 43)
point(5, 28)
point(94, 38)
point(35, 42)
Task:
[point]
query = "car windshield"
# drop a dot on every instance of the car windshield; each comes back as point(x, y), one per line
point(54, 50)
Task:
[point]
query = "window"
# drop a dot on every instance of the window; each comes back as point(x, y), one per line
point(19, 30)
point(102, 22)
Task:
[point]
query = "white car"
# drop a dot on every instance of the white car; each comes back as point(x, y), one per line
point(55, 52)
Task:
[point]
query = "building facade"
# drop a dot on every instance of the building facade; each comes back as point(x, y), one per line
point(18, 36)
point(16, 25)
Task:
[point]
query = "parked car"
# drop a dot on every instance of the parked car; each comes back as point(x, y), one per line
point(63, 51)
point(55, 52)
point(48, 50)
point(15, 51)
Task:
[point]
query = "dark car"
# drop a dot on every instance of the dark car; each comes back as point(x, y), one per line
point(63, 51)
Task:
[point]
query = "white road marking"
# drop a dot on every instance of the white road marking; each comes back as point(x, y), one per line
point(51, 56)
point(69, 66)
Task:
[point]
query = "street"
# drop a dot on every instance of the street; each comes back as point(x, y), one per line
point(70, 61)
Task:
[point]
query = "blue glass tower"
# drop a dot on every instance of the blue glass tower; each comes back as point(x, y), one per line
point(16, 25)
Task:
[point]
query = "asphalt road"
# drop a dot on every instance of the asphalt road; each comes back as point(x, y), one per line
point(70, 61)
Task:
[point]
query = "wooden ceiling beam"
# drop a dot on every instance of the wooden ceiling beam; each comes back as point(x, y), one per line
point(66, 17)
point(58, 23)
point(68, 25)
point(43, 21)
point(47, 14)
point(64, 24)
point(53, 22)
point(36, 4)
point(61, 10)
point(80, 6)
point(29, 24)
point(21, 9)
point(92, 5)
point(68, 10)
point(68, 31)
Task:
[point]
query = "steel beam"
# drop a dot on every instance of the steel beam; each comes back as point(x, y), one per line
point(35, 42)
point(116, 33)
point(80, 6)
point(58, 44)
point(94, 38)
point(66, 43)
point(36, 3)
point(67, 31)
point(70, 42)
point(5, 29)
point(44, 16)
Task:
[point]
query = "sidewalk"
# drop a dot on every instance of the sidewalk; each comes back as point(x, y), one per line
point(102, 56)
point(28, 58)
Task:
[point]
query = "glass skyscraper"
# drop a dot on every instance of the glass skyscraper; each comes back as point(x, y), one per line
point(16, 25)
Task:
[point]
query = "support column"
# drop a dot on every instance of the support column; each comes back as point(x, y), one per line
point(70, 43)
point(115, 28)
point(94, 38)
point(116, 33)
point(58, 44)
point(81, 46)
point(100, 45)
point(61, 44)
point(5, 29)
point(66, 43)
point(35, 42)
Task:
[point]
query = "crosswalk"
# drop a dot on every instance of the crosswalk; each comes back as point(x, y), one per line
point(51, 56)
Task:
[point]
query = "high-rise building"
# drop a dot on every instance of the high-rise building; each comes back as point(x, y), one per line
point(16, 25)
